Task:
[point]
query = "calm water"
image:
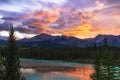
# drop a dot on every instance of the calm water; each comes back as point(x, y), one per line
point(80, 71)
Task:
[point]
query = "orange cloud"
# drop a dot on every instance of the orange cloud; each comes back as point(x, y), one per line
point(82, 29)
point(85, 29)
point(44, 18)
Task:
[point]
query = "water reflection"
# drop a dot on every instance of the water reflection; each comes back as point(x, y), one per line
point(79, 73)
point(28, 71)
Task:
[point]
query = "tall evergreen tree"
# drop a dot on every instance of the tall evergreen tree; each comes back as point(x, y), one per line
point(12, 62)
point(97, 64)
point(107, 60)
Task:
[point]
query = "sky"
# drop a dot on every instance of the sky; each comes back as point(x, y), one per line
point(77, 18)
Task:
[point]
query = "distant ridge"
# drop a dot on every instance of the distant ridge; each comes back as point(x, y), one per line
point(45, 40)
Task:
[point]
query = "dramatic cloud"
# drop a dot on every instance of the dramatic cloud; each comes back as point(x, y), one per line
point(78, 18)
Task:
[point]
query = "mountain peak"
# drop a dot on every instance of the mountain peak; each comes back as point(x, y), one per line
point(49, 41)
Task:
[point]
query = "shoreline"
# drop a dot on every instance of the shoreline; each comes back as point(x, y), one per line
point(43, 66)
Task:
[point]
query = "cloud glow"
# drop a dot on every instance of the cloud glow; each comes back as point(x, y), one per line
point(78, 18)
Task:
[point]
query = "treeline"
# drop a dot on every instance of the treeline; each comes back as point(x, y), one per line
point(55, 53)
point(65, 53)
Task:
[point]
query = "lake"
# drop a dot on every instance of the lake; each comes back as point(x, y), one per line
point(55, 70)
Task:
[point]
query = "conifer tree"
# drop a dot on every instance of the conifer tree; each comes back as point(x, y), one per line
point(107, 60)
point(97, 64)
point(12, 62)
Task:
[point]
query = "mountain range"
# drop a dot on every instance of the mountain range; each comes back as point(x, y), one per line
point(45, 40)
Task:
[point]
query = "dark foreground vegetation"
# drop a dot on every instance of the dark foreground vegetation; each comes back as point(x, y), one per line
point(70, 54)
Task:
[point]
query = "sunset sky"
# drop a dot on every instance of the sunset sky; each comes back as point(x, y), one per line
point(78, 18)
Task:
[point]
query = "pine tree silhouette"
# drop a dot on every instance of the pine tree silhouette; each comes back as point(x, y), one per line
point(12, 62)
